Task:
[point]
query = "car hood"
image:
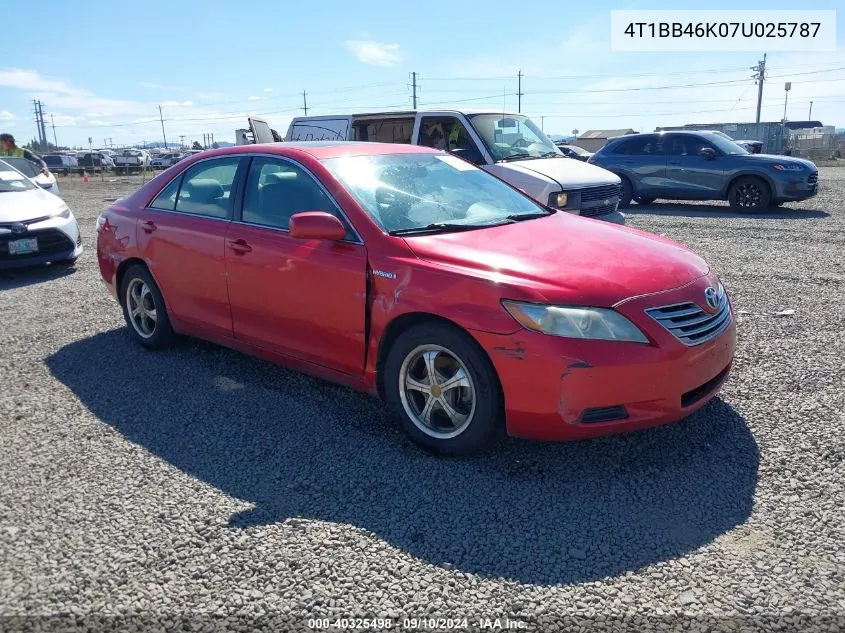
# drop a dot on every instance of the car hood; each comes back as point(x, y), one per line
point(566, 259)
point(569, 174)
point(18, 206)
point(775, 159)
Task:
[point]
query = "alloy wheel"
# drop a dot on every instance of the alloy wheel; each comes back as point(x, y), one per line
point(141, 307)
point(437, 391)
point(748, 195)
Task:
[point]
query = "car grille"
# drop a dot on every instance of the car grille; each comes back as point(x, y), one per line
point(593, 212)
point(599, 193)
point(690, 324)
point(49, 241)
point(813, 178)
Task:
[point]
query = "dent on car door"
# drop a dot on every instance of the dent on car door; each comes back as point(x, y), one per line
point(182, 235)
point(301, 297)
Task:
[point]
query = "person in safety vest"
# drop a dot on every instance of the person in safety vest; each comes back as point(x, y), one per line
point(8, 148)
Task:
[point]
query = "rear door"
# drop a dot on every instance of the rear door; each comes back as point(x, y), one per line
point(182, 237)
point(303, 298)
point(642, 159)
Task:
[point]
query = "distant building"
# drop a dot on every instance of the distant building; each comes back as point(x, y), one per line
point(594, 140)
point(777, 137)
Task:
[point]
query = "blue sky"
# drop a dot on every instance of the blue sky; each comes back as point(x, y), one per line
point(102, 68)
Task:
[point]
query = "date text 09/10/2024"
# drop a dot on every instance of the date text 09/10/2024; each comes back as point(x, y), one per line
point(416, 624)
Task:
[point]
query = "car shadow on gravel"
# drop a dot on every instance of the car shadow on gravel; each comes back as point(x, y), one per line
point(687, 210)
point(300, 448)
point(21, 277)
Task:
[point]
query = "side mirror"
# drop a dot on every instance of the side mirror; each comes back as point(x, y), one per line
point(316, 225)
point(707, 153)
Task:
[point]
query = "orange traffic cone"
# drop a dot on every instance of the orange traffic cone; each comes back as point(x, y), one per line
point(85, 178)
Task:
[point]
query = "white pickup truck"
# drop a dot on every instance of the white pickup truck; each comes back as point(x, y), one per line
point(132, 158)
point(510, 146)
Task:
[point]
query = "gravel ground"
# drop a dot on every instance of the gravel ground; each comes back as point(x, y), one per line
point(200, 484)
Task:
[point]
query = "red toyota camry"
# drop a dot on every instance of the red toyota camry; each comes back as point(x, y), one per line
point(408, 273)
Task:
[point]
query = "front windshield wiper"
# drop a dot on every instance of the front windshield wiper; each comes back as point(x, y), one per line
point(520, 156)
point(550, 154)
point(444, 227)
point(518, 217)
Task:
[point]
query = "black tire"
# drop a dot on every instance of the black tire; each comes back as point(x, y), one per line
point(749, 194)
point(644, 199)
point(626, 193)
point(485, 423)
point(161, 335)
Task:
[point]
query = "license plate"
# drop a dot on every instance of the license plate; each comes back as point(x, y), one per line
point(23, 247)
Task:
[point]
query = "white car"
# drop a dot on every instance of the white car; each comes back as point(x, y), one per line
point(30, 170)
point(36, 227)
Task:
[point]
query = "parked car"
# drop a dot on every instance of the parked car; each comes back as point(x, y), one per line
point(165, 160)
point(753, 147)
point(683, 165)
point(32, 171)
point(36, 227)
point(61, 163)
point(573, 151)
point(132, 158)
point(409, 273)
point(510, 146)
point(95, 161)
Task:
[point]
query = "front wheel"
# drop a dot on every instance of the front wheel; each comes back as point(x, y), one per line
point(144, 310)
point(644, 199)
point(444, 390)
point(626, 193)
point(749, 194)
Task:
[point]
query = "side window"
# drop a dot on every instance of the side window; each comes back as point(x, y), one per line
point(641, 146)
point(207, 188)
point(166, 199)
point(392, 130)
point(688, 145)
point(277, 189)
point(444, 132)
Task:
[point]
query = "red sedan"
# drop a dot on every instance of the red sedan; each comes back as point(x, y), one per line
point(408, 273)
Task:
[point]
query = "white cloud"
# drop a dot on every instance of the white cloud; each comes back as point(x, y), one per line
point(374, 53)
point(5, 115)
point(31, 80)
point(268, 90)
point(254, 98)
point(177, 104)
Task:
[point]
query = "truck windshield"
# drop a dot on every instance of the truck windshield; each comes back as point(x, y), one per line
point(512, 137)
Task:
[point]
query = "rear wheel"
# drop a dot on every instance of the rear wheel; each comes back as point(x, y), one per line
point(749, 194)
point(144, 310)
point(444, 390)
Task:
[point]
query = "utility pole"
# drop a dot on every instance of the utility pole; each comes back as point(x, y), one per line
point(43, 127)
point(212, 139)
point(414, 89)
point(204, 145)
point(42, 140)
point(304, 103)
point(181, 141)
point(760, 77)
point(519, 91)
point(810, 116)
point(56, 143)
point(161, 118)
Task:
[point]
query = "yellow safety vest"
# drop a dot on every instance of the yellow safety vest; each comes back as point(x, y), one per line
point(15, 152)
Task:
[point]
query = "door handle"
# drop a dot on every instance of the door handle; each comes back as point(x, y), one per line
point(149, 226)
point(239, 246)
point(674, 162)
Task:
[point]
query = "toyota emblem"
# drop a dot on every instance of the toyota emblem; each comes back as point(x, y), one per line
point(18, 228)
point(711, 298)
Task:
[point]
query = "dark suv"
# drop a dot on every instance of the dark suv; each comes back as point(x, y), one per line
point(704, 166)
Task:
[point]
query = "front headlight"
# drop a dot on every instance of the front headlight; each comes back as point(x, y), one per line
point(584, 323)
point(789, 167)
point(559, 199)
point(63, 213)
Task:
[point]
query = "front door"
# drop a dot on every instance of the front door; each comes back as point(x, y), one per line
point(304, 298)
point(182, 237)
point(690, 175)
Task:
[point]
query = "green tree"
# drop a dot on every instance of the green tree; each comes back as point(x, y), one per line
point(196, 145)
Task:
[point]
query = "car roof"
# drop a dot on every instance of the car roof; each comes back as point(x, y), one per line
point(324, 149)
